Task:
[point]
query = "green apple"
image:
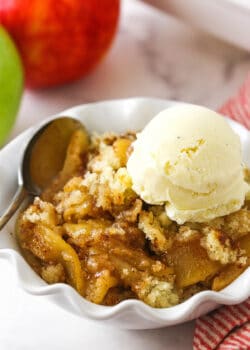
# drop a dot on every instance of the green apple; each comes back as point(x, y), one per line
point(11, 83)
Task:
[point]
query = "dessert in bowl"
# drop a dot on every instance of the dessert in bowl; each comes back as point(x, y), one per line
point(123, 244)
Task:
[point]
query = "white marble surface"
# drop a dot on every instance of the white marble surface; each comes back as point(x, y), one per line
point(153, 55)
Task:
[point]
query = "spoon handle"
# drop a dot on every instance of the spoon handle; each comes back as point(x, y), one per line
point(15, 204)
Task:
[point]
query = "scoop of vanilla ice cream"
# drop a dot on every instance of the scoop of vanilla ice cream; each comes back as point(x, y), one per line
point(189, 158)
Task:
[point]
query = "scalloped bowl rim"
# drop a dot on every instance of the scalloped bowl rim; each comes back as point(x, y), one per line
point(235, 293)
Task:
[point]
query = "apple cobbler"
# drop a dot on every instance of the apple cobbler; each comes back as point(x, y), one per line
point(89, 229)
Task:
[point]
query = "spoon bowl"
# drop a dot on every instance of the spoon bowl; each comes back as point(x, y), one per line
point(42, 159)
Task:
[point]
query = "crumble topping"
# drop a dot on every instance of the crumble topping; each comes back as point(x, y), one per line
point(94, 233)
point(220, 247)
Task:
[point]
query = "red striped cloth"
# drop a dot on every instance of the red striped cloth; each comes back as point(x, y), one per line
point(228, 328)
point(238, 107)
point(214, 331)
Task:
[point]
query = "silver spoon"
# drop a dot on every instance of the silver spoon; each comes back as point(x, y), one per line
point(42, 159)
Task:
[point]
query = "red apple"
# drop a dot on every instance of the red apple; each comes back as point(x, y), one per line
point(59, 40)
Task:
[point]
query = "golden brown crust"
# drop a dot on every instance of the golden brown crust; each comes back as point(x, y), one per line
point(99, 236)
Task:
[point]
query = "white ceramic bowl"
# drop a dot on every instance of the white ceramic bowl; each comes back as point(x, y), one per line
point(118, 115)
